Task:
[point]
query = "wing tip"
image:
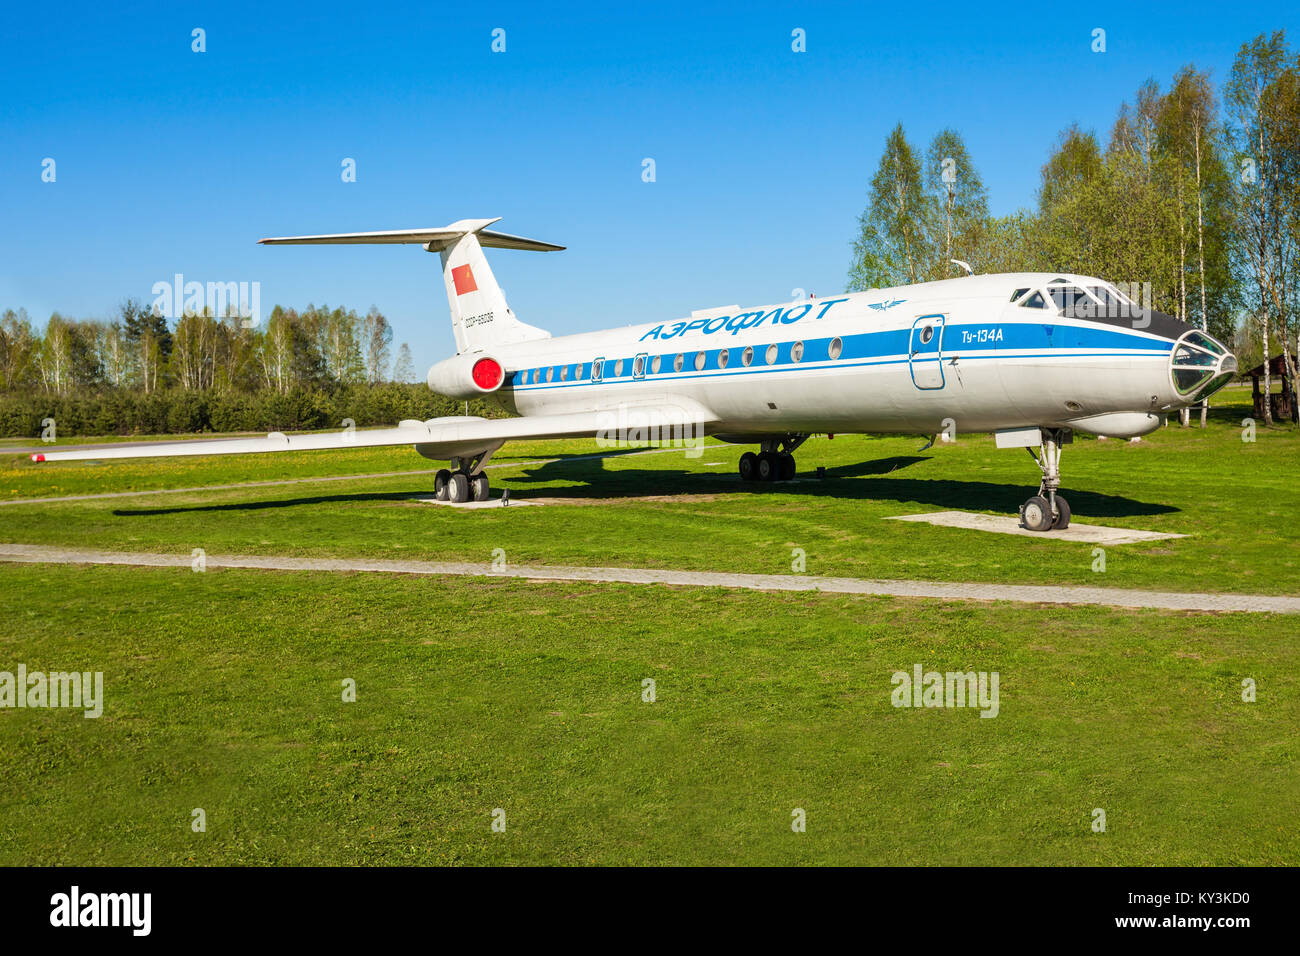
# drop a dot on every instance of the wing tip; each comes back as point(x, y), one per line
point(38, 457)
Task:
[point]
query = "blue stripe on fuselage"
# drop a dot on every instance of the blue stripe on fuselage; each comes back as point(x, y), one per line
point(963, 340)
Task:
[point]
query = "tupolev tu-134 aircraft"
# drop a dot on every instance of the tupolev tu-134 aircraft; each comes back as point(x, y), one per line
point(1029, 357)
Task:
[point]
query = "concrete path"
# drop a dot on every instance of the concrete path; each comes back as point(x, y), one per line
point(945, 591)
point(1007, 524)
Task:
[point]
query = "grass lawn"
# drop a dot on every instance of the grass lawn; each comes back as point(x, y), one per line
point(224, 688)
point(223, 692)
point(1235, 499)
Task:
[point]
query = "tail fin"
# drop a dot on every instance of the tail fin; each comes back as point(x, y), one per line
point(480, 316)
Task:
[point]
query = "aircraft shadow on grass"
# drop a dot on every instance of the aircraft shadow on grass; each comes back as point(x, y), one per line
point(589, 478)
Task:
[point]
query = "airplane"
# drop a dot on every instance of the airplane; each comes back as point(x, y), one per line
point(1030, 357)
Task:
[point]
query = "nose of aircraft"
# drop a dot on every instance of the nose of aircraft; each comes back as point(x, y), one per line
point(1200, 365)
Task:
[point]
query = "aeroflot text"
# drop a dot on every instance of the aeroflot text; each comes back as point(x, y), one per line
point(741, 321)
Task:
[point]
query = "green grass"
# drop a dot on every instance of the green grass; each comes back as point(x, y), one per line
point(224, 688)
point(223, 691)
point(1235, 499)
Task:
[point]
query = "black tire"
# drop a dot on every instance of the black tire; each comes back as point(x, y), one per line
point(458, 487)
point(1036, 514)
point(1062, 514)
point(479, 487)
point(769, 469)
point(748, 466)
point(440, 484)
point(787, 467)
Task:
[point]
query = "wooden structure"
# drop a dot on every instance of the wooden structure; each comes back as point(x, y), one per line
point(1281, 397)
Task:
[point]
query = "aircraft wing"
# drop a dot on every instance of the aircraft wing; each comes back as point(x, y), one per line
point(438, 438)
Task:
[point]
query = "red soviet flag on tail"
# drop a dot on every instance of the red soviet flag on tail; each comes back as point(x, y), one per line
point(464, 280)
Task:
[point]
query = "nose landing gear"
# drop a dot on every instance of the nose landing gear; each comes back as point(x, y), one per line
point(1047, 510)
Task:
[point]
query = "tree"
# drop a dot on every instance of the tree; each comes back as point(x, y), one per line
point(377, 336)
point(194, 351)
point(1260, 154)
point(1010, 243)
point(275, 354)
point(404, 367)
point(337, 343)
point(151, 340)
point(111, 348)
point(18, 348)
point(55, 355)
point(958, 203)
point(1187, 134)
point(891, 248)
point(1065, 199)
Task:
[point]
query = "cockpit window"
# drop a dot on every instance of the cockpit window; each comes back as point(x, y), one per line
point(1017, 294)
point(1067, 297)
point(1196, 360)
point(1110, 301)
point(1035, 301)
point(1203, 341)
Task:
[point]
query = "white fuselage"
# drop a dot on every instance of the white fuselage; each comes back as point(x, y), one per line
point(861, 362)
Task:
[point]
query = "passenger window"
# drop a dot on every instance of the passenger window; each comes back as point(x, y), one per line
point(679, 362)
point(550, 373)
point(836, 348)
point(796, 352)
point(747, 356)
point(700, 358)
point(618, 368)
point(722, 359)
point(771, 355)
point(656, 363)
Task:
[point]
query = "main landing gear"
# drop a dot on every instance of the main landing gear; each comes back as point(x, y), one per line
point(774, 462)
point(1047, 510)
point(464, 481)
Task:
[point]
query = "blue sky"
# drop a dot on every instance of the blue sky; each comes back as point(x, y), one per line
point(173, 161)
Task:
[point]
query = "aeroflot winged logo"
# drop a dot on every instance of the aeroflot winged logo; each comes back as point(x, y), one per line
point(464, 279)
point(888, 304)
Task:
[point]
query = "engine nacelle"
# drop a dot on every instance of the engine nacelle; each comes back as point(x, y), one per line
point(467, 376)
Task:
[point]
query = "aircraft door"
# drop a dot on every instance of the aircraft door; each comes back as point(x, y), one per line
point(925, 352)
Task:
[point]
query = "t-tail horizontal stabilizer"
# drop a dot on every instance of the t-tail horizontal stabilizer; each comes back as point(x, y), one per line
point(480, 316)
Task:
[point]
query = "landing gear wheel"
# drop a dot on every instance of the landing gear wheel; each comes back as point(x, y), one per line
point(478, 487)
point(769, 466)
point(748, 466)
point(458, 487)
point(787, 467)
point(1062, 514)
point(440, 484)
point(1036, 514)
